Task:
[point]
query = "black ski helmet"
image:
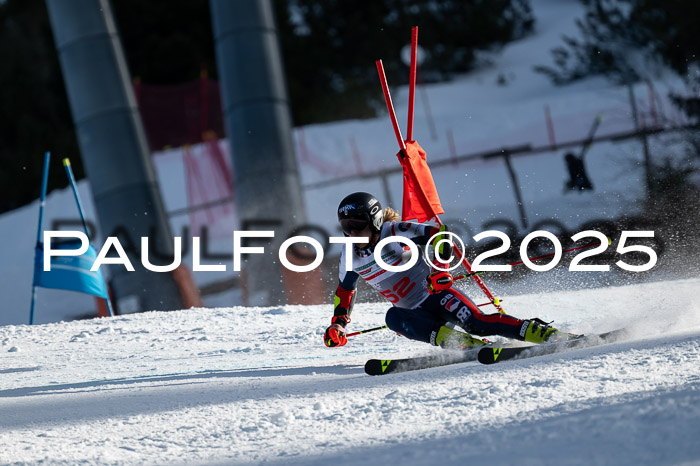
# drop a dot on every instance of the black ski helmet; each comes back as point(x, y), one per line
point(361, 206)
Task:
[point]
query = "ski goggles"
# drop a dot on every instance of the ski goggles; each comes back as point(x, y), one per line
point(353, 224)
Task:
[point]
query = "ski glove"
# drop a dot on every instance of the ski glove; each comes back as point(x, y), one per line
point(439, 281)
point(335, 334)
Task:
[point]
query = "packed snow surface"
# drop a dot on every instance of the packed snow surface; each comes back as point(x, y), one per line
point(257, 386)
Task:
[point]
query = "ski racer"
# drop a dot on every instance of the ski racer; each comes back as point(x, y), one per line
point(423, 299)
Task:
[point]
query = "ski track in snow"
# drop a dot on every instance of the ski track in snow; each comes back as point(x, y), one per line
point(257, 386)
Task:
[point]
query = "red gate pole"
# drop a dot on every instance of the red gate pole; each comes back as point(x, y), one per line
point(421, 195)
point(412, 83)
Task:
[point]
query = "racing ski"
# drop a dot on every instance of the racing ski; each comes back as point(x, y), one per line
point(389, 366)
point(492, 355)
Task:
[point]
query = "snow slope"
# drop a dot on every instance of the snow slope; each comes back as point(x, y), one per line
point(234, 385)
point(257, 386)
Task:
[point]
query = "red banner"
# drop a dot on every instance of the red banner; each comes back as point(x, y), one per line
point(420, 197)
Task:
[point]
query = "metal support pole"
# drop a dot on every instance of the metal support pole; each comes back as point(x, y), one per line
point(645, 143)
point(516, 189)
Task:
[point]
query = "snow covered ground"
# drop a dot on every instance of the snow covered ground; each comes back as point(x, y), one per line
point(257, 386)
point(236, 385)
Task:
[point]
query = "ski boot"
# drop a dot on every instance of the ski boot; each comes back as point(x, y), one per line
point(539, 331)
point(454, 339)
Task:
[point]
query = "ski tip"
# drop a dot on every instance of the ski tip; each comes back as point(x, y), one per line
point(488, 355)
point(377, 366)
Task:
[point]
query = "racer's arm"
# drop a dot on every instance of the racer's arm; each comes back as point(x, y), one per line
point(343, 303)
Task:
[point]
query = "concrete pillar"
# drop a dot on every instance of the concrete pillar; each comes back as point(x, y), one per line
point(114, 149)
point(258, 126)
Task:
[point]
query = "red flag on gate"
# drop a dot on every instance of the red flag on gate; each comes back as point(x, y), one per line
point(420, 197)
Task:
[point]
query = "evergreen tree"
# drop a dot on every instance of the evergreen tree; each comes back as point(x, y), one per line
point(626, 40)
point(330, 47)
point(166, 41)
point(34, 113)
